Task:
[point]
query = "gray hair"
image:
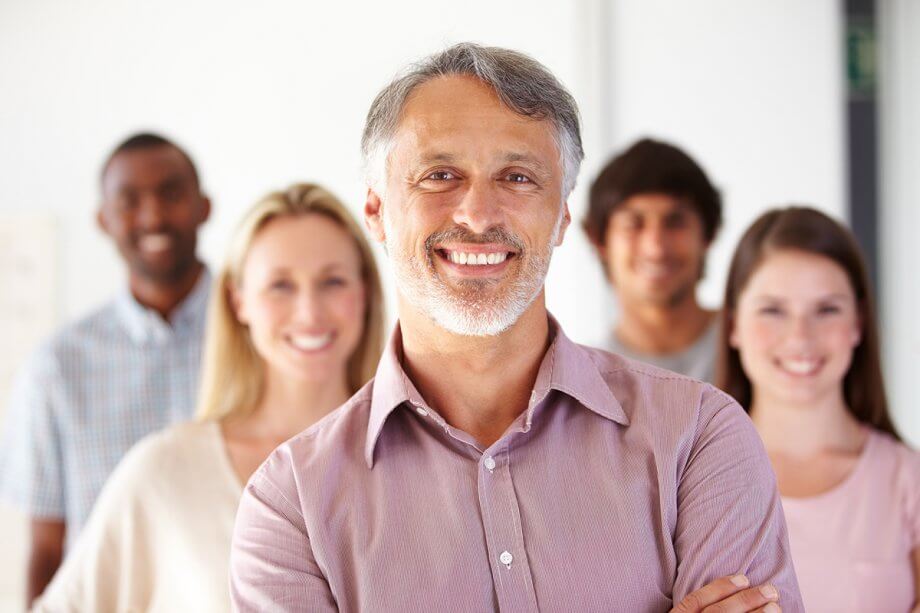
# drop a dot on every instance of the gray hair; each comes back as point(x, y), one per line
point(523, 84)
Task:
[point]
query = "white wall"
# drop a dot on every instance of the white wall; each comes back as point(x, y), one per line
point(269, 94)
point(900, 212)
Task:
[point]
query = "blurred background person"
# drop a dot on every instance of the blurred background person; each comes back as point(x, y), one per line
point(127, 369)
point(800, 352)
point(652, 215)
point(295, 328)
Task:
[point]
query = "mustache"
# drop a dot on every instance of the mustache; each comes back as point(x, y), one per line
point(459, 234)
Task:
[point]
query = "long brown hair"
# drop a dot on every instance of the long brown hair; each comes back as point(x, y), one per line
point(809, 230)
point(233, 373)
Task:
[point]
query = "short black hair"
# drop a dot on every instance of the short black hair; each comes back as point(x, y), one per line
point(148, 140)
point(651, 167)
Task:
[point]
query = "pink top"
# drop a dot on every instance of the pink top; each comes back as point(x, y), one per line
point(852, 544)
point(620, 488)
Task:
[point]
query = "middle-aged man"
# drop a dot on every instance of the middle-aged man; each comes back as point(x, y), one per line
point(493, 464)
point(652, 215)
point(125, 370)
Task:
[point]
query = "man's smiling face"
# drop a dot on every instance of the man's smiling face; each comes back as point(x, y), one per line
point(473, 206)
point(152, 208)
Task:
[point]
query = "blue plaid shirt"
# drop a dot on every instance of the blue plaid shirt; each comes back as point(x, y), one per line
point(86, 396)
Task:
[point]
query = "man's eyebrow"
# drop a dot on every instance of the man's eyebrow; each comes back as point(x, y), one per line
point(435, 157)
point(523, 157)
point(174, 180)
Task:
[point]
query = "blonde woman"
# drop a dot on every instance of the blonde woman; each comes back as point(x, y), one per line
point(295, 327)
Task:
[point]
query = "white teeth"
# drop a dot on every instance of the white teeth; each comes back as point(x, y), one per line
point(476, 259)
point(155, 242)
point(800, 367)
point(309, 342)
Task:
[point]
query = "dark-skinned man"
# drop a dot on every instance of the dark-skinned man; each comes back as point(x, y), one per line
point(127, 369)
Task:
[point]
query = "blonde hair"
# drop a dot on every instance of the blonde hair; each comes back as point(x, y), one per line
point(233, 373)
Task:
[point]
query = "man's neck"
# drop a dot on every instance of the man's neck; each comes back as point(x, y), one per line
point(162, 297)
point(656, 329)
point(479, 385)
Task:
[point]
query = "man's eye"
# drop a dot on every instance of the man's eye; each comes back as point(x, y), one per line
point(171, 194)
point(440, 175)
point(516, 177)
point(127, 203)
point(676, 221)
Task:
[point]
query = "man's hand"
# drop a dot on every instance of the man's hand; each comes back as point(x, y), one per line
point(45, 554)
point(730, 595)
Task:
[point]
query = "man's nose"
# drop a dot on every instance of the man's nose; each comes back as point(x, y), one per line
point(151, 212)
point(653, 241)
point(479, 208)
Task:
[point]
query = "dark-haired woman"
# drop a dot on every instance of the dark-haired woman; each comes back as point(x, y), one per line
point(800, 352)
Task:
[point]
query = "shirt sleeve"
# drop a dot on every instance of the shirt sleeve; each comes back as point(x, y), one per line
point(730, 519)
point(907, 482)
point(31, 466)
point(272, 566)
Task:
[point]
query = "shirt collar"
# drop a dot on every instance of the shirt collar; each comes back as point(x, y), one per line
point(145, 325)
point(566, 367)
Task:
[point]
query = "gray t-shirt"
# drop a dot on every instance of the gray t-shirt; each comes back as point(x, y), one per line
point(697, 361)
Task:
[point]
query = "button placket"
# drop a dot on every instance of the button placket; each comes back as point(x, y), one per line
point(504, 539)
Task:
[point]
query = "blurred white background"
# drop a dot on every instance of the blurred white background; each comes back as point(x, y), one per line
point(264, 95)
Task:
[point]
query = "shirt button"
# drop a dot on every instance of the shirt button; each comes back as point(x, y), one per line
point(421, 411)
point(490, 463)
point(506, 558)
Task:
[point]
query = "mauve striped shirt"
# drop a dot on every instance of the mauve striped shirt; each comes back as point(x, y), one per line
point(622, 487)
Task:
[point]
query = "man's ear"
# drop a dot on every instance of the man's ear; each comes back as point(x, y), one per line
point(373, 216)
point(101, 221)
point(601, 252)
point(566, 222)
point(599, 247)
point(205, 213)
